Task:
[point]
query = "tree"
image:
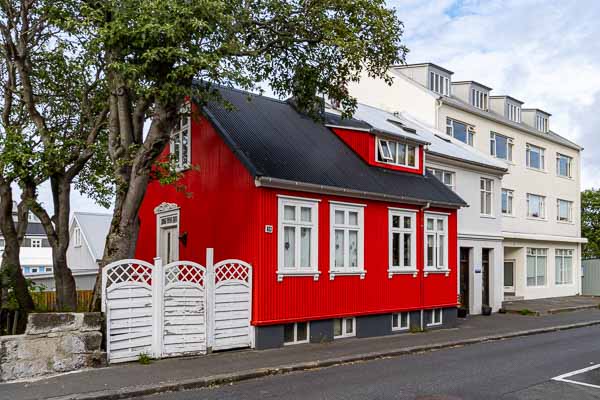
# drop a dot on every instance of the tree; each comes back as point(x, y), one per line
point(61, 89)
point(590, 222)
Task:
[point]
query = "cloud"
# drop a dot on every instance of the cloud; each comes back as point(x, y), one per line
point(545, 53)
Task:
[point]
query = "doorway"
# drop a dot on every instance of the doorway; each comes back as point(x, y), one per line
point(168, 237)
point(464, 277)
point(485, 277)
point(509, 277)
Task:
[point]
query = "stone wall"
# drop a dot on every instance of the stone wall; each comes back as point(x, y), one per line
point(52, 343)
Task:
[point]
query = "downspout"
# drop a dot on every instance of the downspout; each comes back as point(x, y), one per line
point(422, 291)
point(438, 105)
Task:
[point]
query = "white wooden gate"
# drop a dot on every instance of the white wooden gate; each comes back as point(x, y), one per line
point(182, 308)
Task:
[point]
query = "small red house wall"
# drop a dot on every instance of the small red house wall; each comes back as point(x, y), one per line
point(226, 211)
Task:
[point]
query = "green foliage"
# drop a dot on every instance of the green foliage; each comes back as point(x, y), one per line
point(590, 222)
point(144, 359)
point(527, 311)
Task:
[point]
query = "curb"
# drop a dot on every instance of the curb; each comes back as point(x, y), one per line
point(551, 311)
point(216, 380)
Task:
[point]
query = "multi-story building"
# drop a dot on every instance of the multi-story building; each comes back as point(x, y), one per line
point(539, 203)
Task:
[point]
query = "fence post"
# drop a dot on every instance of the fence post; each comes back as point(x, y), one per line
point(157, 306)
point(209, 294)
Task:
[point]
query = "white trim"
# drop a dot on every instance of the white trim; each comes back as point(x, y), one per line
point(344, 334)
point(285, 196)
point(390, 160)
point(170, 210)
point(438, 213)
point(436, 267)
point(432, 317)
point(402, 209)
point(426, 272)
point(401, 328)
point(346, 203)
point(392, 272)
point(283, 274)
point(359, 269)
point(400, 230)
point(77, 236)
point(296, 341)
point(165, 207)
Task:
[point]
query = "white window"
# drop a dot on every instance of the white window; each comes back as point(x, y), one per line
point(347, 239)
point(446, 177)
point(344, 327)
point(486, 187)
point(536, 206)
point(507, 201)
point(436, 242)
point(439, 84)
point(461, 131)
point(541, 123)
point(564, 165)
point(298, 236)
point(167, 234)
point(564, 266)
point(296, 333)
point(435, 317)
point(36, 242)
point(535, 157)
point(34, 270)
point(513, 112)
point(396, 153)
point(77, 237)
point(400, 321)
point(564, 210)
point(536, 266)
point(2, 243)
point(479, 99)
point(501, 146)
point(402, 242)
point(181, 146)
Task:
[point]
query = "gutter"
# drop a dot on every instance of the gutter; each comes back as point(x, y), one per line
point(277, 183)
point(463, 161)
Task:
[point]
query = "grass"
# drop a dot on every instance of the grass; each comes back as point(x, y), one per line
point(144, 359)
point(527, 311)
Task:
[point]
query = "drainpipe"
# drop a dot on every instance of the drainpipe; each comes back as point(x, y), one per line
point(422, 297)
point(438, 105)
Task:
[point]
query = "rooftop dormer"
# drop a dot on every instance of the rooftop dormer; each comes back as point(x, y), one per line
point(432, 76)
point(536, 118)
point(473, 93)
point(507, 106)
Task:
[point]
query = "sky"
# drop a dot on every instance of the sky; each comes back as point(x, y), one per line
point(545, 53)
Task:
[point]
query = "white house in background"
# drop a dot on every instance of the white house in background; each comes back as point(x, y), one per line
point(86, 245)
point(539, 205)
point(35, 253)
point(463, 169)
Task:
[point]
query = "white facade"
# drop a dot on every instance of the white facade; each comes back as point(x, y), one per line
point(530, 228)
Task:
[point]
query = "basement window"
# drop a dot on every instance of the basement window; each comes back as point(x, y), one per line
point(344, 327)
point(296, 333)
point(400, 321)
point(435, 317)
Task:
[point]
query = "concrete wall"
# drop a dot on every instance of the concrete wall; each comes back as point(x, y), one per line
point(53, 343)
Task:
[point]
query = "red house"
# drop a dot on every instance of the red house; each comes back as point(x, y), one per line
point(346, 234)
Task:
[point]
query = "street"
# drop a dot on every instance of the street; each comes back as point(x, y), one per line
point(520, 368)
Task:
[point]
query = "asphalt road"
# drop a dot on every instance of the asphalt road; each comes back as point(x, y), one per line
point(520, 368)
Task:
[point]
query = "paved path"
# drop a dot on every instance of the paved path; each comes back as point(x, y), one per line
point(171, 371)
point(552, 305)
point(515, 369)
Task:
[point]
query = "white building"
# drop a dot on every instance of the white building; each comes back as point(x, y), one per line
point(539, 203)
point(461, 168)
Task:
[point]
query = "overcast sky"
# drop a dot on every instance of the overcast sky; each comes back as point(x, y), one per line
point(545, 53)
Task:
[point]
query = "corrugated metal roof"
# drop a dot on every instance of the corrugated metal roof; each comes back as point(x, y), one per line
point(274, 140)
point(94, 228)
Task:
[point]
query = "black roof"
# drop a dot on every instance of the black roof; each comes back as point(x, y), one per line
point(274, 140)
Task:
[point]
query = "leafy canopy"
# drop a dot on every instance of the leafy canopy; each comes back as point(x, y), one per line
point(590, 222)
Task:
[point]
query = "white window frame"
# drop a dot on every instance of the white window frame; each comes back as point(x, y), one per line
point(560, 273)
point(77, 236)
point(436, 267)
point(2, 243)
point(344, 326)
point(37, 243)
point(569, 165)
point(528, 150)
point(439, 83)
point(177, 135)
point(34, 270)
point(569, 211)
point(484, 193)
point(444, 173)
point(399, 326)
point(297, 270)
point(470, 130)
point(494, 143)
point(542, 205)
point(510, 197)
point(433, 320)
point(169, 210)
point(479, 99)
point(346, 269)
point(541, 123)
point(402, 269)
point(296, 341)
point(383, 153)
point(514, 112)
point(537, 253)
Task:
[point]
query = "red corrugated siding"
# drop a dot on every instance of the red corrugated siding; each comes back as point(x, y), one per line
point(225, 210)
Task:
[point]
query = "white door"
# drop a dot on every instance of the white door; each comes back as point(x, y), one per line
point(168, 237)
point(509, 276)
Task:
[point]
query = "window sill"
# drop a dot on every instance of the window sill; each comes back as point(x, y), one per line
point(537, 219)
point(509, 215)
point(435, 324)
point(436, 271)
point(569, 178)
point(333, 274)
point(398, 271)
point(537, 170)
point(487, 216)
point(282, 274)
point(563, 284)
point(182, 168)
point(400, 329)
point(565, 222)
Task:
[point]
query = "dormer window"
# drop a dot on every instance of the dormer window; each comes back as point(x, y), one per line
point(396, 153)
point(479, 99)
point(513, 112)
point(541, 123)
point(439, 83)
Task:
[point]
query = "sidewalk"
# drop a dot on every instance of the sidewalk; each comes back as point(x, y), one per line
point(552, 305)
point(126, 380)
